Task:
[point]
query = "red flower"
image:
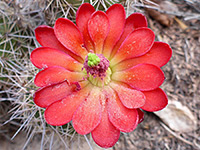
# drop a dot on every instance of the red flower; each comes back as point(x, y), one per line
point(100, 72)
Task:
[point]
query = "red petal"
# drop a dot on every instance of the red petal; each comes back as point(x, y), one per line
point(134, 21)
point(82, 16)
point(136, 44)
point(155, 100)
point(159, 55)
point(44, 57)
point(130, 98)
point(122, 118)
point(69, 35)
point(105, 134)
point(116, 15)
point(53, 75)
point(47, 95)
point(138, 20)
point(61, 112)
point(141, 115)
point(46, 37)
point(98, 27)
point(88, 115)
point(144, 77)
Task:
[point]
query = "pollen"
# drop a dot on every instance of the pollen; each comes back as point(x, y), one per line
point(96, 65)
point(93, 60)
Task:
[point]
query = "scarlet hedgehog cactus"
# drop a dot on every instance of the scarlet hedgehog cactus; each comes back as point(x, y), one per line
point(99, 73)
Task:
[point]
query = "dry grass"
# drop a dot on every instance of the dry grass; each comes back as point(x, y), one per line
point(19, 18)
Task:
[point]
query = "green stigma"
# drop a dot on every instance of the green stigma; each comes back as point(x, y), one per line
point(93, 60)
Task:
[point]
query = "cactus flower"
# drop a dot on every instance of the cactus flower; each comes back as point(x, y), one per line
point(100, 72)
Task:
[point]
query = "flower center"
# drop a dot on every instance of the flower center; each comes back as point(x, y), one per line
point(97, 68)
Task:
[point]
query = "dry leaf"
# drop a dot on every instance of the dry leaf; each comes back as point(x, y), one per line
point(181, 24)
point(178, 117)
point(162, 18)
